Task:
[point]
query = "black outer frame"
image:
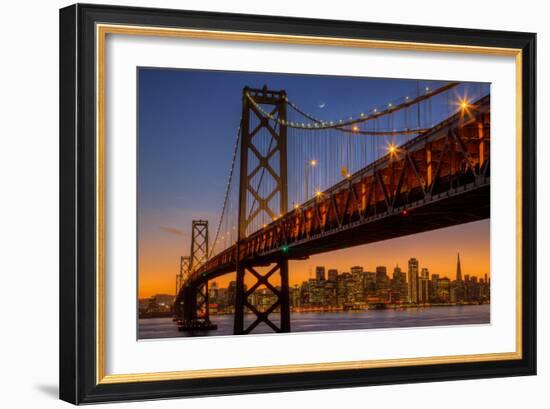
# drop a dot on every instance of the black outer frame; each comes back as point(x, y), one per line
point(77, 204)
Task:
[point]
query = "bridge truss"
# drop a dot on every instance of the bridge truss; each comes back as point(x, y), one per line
point(437, 177)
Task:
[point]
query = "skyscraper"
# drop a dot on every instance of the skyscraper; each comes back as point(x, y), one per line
point(332, 274)
point(423, 286)
point(458, 269)
point(381, 278)
point(358, 283)
point(399, 283)
point(320, 273)
point(413, 280)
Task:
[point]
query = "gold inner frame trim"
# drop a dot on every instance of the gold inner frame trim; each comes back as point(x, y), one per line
point(101, 33)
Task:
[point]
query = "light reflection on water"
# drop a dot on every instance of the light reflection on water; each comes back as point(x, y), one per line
point(333, 321)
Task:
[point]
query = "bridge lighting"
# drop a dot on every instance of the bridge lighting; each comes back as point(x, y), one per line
point(313, 162)
point(296, 206)
point(464, 104)
point(406, 98)
point(427, 88)
point(390, 104)
point(285, 249)
point(375, 110)
point(392, 149)
point(264, 226)
point(405, 212)
point(355, 128)
point(318, 193)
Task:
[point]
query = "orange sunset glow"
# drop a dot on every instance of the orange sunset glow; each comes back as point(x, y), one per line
point(436, 250)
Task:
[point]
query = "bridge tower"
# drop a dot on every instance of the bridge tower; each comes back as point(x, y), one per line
point(256, 160)
point(181, 278)
point(199, 243)
point(196, 314)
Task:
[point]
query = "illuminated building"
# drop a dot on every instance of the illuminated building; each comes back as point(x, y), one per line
point(423, 287)
point(320, 273)
point(332, 274)
point(358, 284)
point(413, 281)
point(399, 284)
point(381, 278)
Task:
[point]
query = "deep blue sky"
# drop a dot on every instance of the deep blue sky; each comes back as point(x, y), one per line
point(188, 120)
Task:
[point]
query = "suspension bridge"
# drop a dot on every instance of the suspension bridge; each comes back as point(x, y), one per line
point(299, 185)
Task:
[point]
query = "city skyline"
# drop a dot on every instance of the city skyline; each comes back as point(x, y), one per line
point(314, 274)
point(439, 257)
point(357, 289)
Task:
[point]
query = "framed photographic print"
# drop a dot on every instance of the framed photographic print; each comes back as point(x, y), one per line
point(256, 203)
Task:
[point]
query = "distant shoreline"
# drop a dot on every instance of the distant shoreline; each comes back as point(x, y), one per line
point(393, 307)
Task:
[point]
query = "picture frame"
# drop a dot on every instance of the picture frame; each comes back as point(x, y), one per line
point(83, 33)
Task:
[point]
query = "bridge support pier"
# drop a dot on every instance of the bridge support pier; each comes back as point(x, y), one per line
point(265, 315)
point(196, 312)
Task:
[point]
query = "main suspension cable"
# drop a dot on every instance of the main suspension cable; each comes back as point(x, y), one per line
point(228, 188)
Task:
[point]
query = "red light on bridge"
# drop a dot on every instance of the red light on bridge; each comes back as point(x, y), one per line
point(405, 212)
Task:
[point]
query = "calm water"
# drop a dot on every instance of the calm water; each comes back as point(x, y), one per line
point(333, 321)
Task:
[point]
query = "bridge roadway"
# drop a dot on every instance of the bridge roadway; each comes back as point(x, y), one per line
point(436, 180)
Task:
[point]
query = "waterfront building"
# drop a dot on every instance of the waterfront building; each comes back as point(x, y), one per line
point(294, 296)
point(330, 293)
point(423, 287)
point(369, 283)
point(213, 292)
point(231, 293)
point(317, 293)
point(444, 290)
point(434, 285)
point(413, 281)
point(399, 284)
point(382, 282)
point(358, 290)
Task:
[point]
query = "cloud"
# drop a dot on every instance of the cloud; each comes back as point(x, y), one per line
point(172, 230)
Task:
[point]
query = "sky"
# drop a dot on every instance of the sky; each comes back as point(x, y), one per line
point(187, 123)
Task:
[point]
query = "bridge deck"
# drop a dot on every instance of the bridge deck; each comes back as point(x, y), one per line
point(439, 179)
